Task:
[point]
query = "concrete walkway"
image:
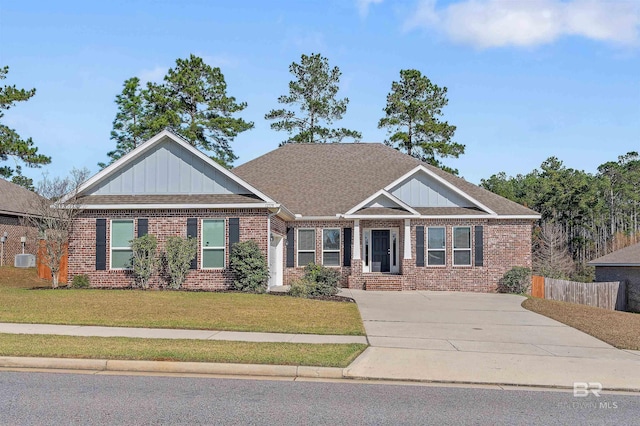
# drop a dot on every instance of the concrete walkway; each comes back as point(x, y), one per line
point(166, 333)
point(480, 338)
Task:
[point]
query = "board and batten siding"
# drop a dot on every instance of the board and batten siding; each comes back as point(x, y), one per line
point(421, 190)
point(168, 169)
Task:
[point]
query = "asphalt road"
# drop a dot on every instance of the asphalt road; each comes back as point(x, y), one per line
point(70, 399)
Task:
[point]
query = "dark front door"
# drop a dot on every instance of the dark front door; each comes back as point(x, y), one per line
point(380, 253)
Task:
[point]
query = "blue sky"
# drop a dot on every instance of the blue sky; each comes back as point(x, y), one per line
point(527, 79)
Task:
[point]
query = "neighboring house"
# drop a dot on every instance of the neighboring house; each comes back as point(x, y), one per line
point(383, 219)
point(16, 203)
point(622, 265)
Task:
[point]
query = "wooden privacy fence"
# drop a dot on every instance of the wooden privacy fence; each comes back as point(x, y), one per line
point(537, 286)
point(607, 295)
point(43, 269)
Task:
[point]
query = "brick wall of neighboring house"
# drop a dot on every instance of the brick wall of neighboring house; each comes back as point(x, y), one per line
point(14, 227)
point(506, 243)
point(162, 224)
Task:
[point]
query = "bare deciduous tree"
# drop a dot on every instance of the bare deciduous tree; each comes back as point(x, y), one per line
point(54, 214)
point(551, 256)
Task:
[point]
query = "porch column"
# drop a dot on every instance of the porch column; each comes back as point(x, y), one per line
point(407, 238)
point(356, 239)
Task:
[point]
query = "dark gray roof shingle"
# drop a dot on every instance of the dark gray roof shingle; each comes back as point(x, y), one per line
point(16, 200)
point(628, 256)
point(328, 179)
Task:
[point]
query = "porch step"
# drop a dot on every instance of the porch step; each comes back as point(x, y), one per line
point(383, 282)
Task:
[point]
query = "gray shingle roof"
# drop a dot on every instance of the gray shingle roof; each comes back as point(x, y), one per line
point(328, 179)
point(16, 200)
point(628, 256)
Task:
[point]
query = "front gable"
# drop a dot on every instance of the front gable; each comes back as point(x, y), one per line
point(167, 168)
point(421, 190)
point(167, 171)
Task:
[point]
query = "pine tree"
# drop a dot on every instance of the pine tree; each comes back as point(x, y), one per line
point(414, 106)
point(314, 93)
point(129, 129)
point(11, 144)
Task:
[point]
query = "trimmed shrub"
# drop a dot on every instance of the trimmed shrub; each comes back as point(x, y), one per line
point(301, 287)
point(179, 252)
point(249, 267)
point(517, 280)
point(80, 281)
point(317, 281)
point(326, 279)
point(144, 261)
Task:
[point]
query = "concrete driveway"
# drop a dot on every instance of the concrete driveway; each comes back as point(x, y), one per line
point(481, 338)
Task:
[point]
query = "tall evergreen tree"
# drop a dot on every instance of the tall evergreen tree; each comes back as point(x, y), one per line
point(313, 92)
point(11, 144)
point(192, 101)
point(129, 128)
point(413, 111)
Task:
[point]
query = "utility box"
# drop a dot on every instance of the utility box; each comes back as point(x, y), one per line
point(25, 261)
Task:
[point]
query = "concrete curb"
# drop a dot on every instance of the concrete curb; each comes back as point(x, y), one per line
point(173, 367)
point(222, 369)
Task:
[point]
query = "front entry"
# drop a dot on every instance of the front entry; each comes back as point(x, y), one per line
point(380, 251)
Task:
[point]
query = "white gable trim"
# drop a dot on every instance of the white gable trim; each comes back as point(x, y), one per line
point(144, 147)
point(384, 193)
point(443, 182)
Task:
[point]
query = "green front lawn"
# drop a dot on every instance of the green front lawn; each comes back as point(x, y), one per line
point(170, 309)
point(323, 355)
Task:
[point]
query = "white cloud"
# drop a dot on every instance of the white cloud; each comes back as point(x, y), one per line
point(498, 23)
point(363, 6)
point(154, 75)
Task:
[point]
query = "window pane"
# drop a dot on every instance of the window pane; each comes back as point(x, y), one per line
point(121, 259)
point(213, 233)
point(436, 258)
point(306, 258)
point(436, 238)
point(213, 258)
point(121, 233)
point(306, 239)
point(462, 257)
point(331, 259)
point(331, 239)
point(461, 237)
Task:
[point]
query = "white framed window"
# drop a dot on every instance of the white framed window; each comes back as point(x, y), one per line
point(120, 241)
point(213, 243)
point(462, 246)
point(436, 245)
point(306, 246)
point(331, 247)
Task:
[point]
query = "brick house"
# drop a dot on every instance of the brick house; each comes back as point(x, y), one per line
point(16, 203)
point(622, 265)
point(390, 224)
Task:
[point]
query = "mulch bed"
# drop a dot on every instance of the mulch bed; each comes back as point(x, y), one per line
point(619, 329)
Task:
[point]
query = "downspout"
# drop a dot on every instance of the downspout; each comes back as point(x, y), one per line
point(269, 216)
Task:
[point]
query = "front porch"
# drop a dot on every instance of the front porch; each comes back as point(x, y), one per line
point(382, 257)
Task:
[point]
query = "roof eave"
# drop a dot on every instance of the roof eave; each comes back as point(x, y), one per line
point(178, 206)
